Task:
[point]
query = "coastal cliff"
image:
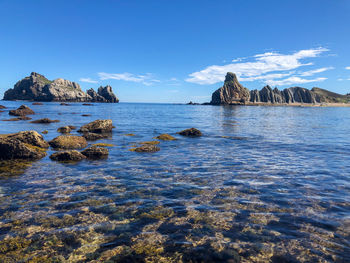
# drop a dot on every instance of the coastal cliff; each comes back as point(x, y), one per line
point(232, 92)
point(38, 88)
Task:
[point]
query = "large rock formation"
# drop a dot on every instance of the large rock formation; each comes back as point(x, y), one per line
point(231, 93)
point(234, 93)
point(37, 87)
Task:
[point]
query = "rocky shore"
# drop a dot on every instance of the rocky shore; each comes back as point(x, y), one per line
point(37, 87)
point(233, 93)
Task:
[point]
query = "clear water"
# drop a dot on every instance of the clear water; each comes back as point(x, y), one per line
point(264, 184)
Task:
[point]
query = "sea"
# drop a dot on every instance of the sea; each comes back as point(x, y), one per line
point(263, 184)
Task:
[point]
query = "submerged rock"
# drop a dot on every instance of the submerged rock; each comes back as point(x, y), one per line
point(64, 129)
point(68, 142)
point(192, 132)
point(37, 103)
point(28, 145)
point(45, 132)
point(22, 111)
point(165, 137)
point(67, 156)
point(91, 136)
point(95, 152)
point(146, 148)
point(2, 107)
point(20, 118)
point(97, 126)
point(44, 121)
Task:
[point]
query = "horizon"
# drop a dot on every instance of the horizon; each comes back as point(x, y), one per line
point(157, 52)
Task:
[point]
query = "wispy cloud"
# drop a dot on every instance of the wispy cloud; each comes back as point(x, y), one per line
point(146, 79)
point(348, 68)
point(270, 67)
point(88, 80)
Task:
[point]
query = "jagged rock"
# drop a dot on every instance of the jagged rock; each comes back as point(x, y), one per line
point(231, 93)
point(107, 94)
point(37, 87)
point(97, 126)
point(44, 121)
point(192, 132)
point(21, 111)
point(95, 152)
point(64, 129)
point(28, 145)
point(67, 156)
point(68, 142)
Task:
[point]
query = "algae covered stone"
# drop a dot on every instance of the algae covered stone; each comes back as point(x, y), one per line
point(97, 126)
point(146, 148)
point(67, 156)
point(68, 142)
point(64, 129)
point(192, 132)
point(95, 152)
point(165, 137)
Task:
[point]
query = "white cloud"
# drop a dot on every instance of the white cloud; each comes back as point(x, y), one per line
point(348, 68)
point(88, 80)
point(267, 67)
point(293, 81)
point(146, 79)
point(315, 71)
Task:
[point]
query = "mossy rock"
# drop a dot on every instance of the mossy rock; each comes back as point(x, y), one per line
point(95, 152)
point(103, 144)
point(150, 143)
point(67, 156)
point(64, 129)
point(165, 137)
point(146, 148)
point(68, 142)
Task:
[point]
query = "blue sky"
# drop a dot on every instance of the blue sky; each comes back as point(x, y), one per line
point(176, 51)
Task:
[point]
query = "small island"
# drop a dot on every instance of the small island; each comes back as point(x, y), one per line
point(234, 93)
point(37, 87)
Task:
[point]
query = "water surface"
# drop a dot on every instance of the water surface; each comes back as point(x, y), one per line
point(264, 184)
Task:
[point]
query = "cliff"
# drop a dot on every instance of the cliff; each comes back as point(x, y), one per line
point(38, 88)
point(233, 92)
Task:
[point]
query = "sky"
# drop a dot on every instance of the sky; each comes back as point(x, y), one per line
point(177, 51)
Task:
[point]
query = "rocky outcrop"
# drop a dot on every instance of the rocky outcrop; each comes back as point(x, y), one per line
point(234, 93)
point(38, 88)
point(231, 93)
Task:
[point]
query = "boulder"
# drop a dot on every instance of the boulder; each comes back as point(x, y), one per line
point(97, 126)
point(22, 111)
point(192, 132)
point(44, 121)
point(27, 145)
point(68, 142)
point(95, 152)
point(67, 156)
point(146, 148)
point(231, 93)
point(64, 129)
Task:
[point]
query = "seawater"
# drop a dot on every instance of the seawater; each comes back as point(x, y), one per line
point(263, 184)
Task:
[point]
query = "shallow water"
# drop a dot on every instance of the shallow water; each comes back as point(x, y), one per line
point(264, 184)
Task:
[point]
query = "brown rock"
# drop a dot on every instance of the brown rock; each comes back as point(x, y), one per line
point(68, 142)
point(21, 111)
point(29, 137)
point(97, 126)
point(90, 136)
point(146, 148)
point(165, 137)
point(2, 107)
point(67, 156)
point(192, 132)
point(44, 121)
point(20, 118)
point(64, 129)
point(37, 103)
point(95, 152)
